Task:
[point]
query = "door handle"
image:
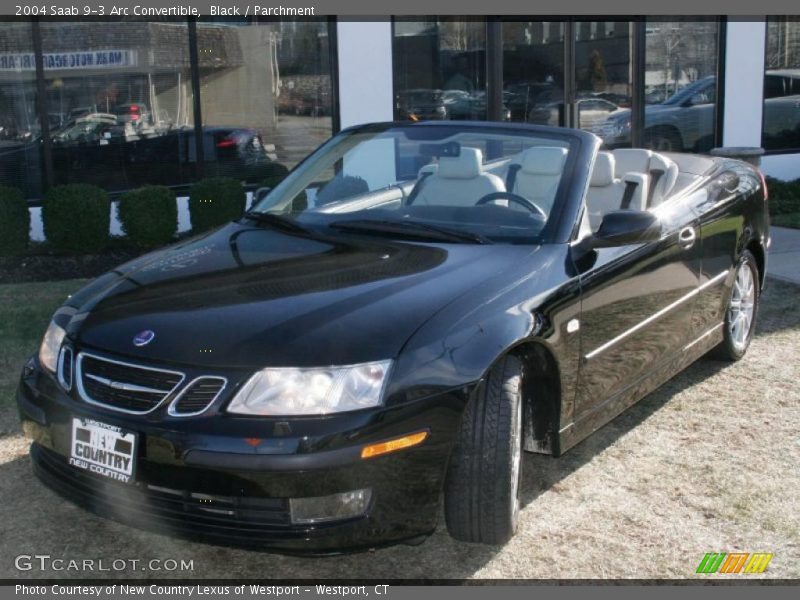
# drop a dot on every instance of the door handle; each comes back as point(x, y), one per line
point(687, 237)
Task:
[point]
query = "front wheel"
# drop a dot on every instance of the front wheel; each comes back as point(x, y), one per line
point(740, 315)
point(482, 489)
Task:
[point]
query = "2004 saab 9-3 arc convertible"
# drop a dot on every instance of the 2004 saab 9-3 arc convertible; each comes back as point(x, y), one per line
point(399, 319)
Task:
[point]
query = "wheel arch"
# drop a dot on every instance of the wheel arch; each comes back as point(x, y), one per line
point(757, 250)
point(541, 396)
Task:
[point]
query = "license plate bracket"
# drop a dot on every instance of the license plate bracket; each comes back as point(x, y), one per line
point(103, 449)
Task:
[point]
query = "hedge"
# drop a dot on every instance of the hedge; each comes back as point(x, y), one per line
point(213, 202)
point(149, 215)
point(784, 196)
point(15, 221)
point(76, 218)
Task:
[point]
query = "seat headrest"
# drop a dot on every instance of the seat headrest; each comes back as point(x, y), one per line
point(670, 171)
point(545, 160)
point(467, 165)
point(603, 172)
point(632, 159)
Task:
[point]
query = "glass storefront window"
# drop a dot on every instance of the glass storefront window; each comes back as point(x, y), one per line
point(781, 125)
point(265, 91)
point(439, 69)
point(20, 131)
point(603, 85)
point(533, 71)
point(119, 100)
point(681, 85)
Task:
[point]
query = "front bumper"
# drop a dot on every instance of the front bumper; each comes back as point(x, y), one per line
point(204, 477)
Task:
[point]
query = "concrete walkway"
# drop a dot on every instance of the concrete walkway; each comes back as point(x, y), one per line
point(784, 254)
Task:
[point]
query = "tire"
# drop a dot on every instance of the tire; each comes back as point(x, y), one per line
point(663, 140)
point(482, 487)
point(741, 311)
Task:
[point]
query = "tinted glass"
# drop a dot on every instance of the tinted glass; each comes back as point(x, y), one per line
point(20, 131)
point(120, 102)
point(781, 129)
point(439, 69)
point(533, 71)
point(266, 97)
point(681, 85)
point(602, 76)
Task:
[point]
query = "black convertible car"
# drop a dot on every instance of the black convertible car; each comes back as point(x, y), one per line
point(399, 319)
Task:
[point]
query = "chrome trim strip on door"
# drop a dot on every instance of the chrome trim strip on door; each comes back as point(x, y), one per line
point(704, 336)
point(657, 315)
point(86, 398)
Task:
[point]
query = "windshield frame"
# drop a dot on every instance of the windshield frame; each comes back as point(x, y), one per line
point(582, 147)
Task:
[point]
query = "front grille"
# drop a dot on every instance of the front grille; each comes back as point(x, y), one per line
point(197, 396)
point(241, 520)
point(124, 386)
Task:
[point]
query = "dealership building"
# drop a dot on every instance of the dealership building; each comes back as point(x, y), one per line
point(125, 103)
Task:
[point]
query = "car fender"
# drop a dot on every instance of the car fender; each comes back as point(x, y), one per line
point(534, 303)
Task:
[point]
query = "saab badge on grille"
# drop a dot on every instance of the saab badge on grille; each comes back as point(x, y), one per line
point(144, 337)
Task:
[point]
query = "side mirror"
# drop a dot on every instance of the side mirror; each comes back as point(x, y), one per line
point(623, 227)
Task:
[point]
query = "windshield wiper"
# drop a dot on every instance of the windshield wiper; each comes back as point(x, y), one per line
point(413, 228)
point(276, 220)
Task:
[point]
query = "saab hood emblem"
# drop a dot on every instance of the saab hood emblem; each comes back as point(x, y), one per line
point(143, 337)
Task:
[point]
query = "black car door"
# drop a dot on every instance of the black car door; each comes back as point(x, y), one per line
point(636, 311)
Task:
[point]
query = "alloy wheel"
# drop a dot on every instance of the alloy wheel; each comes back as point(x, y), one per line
point(742, 306)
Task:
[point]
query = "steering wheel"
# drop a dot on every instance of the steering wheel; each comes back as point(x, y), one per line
point(512, 197)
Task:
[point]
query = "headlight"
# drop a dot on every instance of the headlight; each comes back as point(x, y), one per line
point(314, 391)
point(51, 344)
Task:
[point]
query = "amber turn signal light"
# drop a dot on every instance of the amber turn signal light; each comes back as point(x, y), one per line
point(393, 445)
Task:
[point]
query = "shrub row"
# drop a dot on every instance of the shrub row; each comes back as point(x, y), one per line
point(76, 216)
point(784, 196)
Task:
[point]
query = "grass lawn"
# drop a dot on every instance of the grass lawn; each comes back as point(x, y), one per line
point(25, 311)
point(706, 463)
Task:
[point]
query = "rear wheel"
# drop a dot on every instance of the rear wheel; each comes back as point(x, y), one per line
point(741, 312)
point(482, 489)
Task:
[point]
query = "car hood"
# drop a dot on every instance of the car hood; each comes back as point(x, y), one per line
point(252, 297)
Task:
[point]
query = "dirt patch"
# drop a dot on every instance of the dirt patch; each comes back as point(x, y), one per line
point(52, 267)
point(706, 463)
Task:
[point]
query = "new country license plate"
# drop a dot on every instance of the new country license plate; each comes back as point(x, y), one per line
point(103, 449)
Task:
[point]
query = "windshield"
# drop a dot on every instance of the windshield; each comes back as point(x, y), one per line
point(450, 182)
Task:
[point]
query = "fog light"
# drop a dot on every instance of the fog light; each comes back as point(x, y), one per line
point(346, 505)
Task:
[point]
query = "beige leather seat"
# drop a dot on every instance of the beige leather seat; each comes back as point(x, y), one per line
point(458, 181)
point(606, 191)
point(666, 180)
point(539, 174)
point(656, 166)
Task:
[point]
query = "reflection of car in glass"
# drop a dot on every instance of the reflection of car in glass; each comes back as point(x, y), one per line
point(88, 129)
point(408, 311)
point(685, 121)
point(422, 104)
point(97, 148)
point(133, 112)
point(782, 109)
point(521, 98)
point(473, 107)
point(592, 113)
